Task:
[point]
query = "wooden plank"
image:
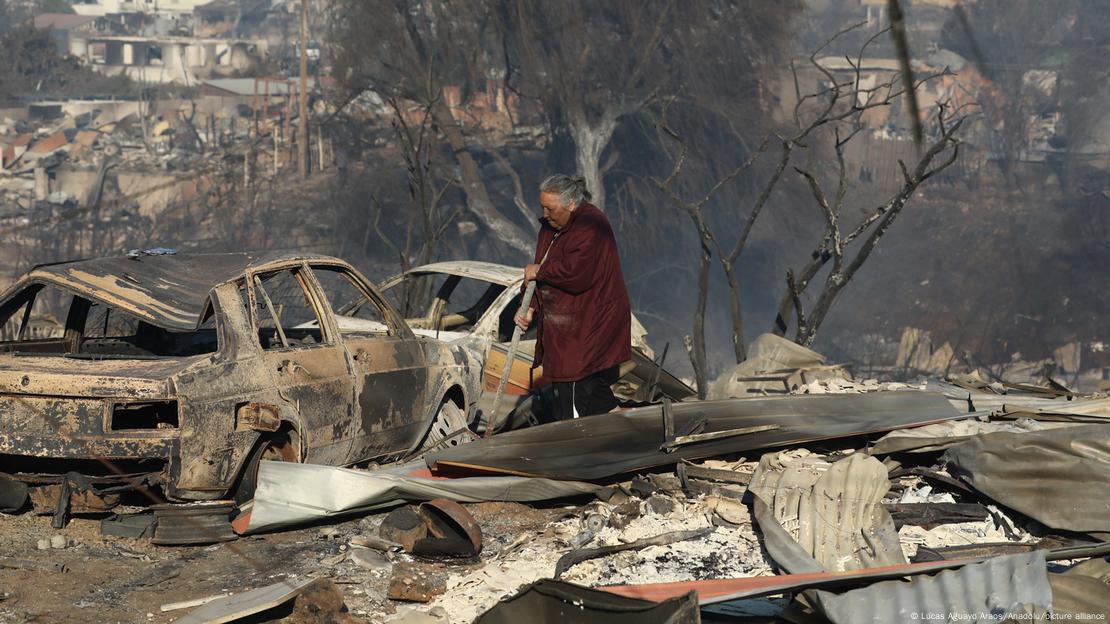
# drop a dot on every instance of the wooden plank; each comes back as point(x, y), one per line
point(717, 474)
point(518, 375)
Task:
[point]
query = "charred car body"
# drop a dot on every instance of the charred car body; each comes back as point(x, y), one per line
point(184, 370)
point(471, 304)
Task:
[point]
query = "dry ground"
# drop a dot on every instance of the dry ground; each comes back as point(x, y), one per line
point(122, 580)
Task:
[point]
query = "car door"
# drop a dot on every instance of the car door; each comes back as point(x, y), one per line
point(313, 374)
point(390, 367)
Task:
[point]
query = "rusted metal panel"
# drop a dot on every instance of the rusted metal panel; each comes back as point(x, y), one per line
point(50, 143)
point(47, 375)
point(391, 391)
point(198, 523)
point(257, 416)
point(447, 519)
point(45, 500)
point(39, 415)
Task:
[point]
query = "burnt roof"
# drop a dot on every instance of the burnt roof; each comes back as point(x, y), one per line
point(168, 290)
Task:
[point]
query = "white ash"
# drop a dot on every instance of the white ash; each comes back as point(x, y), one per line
point(925, 494)
point(959, 534)
point(727, 552)
point(472, 593)
point(838, 385)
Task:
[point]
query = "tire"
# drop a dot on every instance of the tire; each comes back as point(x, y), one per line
point(275, 447)
point(449, 419)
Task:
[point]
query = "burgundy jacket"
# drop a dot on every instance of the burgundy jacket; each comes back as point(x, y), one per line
point(585, 319)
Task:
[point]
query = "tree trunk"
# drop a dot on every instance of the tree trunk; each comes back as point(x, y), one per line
point(697, 351)
point(738, 347)
point(786, 307)
point(590, 141)
point(477, 197)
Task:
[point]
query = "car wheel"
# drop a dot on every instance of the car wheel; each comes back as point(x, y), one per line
point(449, 419)
point(278, 447)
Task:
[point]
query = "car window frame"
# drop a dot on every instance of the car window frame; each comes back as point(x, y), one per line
point(398, 328)
point(328, 330)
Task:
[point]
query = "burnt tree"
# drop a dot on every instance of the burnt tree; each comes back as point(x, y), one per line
point(592, 64)
point(835, 107)
point(835, 245)
point(411, 51)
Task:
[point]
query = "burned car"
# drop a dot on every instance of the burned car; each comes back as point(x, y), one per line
point(471, 304)
point(184, 370)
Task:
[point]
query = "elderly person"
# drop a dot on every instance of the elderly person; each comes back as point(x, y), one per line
point(584, 332)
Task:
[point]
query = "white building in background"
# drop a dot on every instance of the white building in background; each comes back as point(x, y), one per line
point(111, 7)
point(180, 60)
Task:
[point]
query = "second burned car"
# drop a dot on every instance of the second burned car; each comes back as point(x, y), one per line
point(471, 304)
point(183, 371)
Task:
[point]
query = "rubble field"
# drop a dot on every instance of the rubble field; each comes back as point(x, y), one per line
point(838, 500)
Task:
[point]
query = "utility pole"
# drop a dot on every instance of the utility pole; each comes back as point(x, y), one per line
point(302, 119)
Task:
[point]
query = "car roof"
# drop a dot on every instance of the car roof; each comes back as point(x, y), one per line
point(485, 271)
point(169, 289)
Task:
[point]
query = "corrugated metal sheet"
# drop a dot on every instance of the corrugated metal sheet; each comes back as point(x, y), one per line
point(716, 591)
point(555, 602)
point(1082, 590)
point(289, 493)
point(609, 444)
point(1089, 410)
point(833, 511)
point(1013, 585)
point(1059, 477)
point(946, 434)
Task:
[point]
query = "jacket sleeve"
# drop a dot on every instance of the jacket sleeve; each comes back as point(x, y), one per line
point(573, 269)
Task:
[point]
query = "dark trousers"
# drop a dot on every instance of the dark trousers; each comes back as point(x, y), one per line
point(588, 396)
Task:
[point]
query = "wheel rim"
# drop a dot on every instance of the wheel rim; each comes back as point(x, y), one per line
point(279, 449)
point(448, 420)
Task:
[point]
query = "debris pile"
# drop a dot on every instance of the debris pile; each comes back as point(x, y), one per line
point(864, 503)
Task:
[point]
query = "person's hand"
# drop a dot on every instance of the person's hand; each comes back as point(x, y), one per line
point(530, 272)
point(523, 319)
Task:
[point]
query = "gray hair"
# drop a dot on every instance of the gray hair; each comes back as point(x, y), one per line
point(569, 189)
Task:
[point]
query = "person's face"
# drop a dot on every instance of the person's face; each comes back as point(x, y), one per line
point(556, 213)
